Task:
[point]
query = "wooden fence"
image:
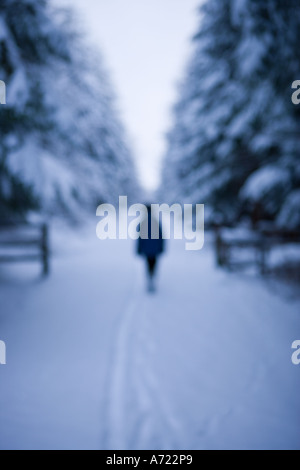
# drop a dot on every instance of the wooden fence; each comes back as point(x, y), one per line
point(258, 244)
point(25, 242)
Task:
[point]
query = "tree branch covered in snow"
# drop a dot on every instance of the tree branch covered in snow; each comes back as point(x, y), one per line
point(63, 147)
point(234, 122)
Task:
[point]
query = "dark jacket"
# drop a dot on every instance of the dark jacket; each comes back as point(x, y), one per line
point(151, 248)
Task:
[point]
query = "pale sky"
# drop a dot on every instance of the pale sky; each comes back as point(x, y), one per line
point(146, 45)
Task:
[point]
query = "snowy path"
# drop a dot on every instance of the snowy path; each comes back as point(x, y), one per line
point(95, 362)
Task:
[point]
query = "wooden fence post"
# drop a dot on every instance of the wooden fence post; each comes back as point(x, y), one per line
point(45, 249)
point(263, 256)
point(219, 248)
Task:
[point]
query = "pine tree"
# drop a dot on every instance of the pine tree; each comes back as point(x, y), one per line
point(234, 121)
point(22, 45)
point(63, 146)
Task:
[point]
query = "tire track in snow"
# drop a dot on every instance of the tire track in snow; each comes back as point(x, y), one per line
point(158, 429)
point(117, 429)
point(138, 415)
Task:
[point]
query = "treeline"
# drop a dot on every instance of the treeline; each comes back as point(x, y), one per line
point(62, 145)
point(235, 143)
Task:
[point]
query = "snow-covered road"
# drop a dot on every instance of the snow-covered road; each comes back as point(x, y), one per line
point(93, 361)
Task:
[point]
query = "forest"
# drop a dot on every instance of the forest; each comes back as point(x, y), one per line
point(234, 143)
point(63, 147)
point(187, 338)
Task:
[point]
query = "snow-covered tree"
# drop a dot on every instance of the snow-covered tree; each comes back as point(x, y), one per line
point(62, 145)
point(235, 127)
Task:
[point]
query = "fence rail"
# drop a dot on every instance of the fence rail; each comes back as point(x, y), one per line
point(260, 243)
point(18, 240)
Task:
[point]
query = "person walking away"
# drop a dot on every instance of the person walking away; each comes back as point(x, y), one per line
point(151, 248)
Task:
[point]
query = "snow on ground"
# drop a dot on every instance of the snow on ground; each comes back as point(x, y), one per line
point(94, 361)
